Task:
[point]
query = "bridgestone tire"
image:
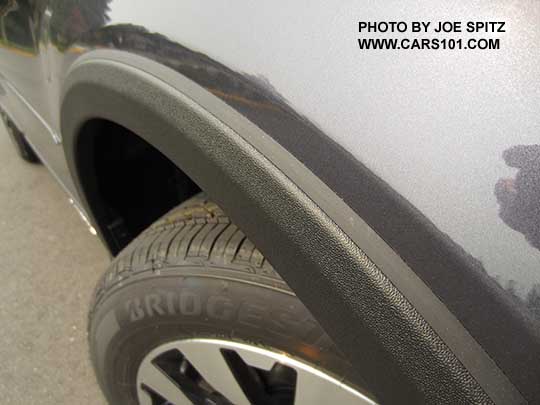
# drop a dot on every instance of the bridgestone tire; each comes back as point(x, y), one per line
point(194, 274)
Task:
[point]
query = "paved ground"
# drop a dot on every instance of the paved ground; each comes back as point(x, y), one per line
point(49, 264)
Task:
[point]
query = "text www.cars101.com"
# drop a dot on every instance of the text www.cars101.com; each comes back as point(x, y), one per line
point(428, 43)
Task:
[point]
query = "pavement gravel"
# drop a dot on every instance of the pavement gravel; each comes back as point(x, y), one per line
point(49, 264)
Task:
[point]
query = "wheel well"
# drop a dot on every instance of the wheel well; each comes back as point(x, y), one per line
point(128, 183)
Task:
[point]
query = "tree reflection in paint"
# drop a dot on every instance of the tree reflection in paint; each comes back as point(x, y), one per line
point(519, 201)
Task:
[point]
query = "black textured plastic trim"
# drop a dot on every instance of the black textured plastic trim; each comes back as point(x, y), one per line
point(310, 236)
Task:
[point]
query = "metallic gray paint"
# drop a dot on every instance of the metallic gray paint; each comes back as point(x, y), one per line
point(432, 126)
point(419, 120)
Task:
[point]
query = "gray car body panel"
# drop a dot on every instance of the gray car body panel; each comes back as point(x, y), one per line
point(433, 131)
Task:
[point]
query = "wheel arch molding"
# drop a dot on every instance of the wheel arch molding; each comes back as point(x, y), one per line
point(403, 342)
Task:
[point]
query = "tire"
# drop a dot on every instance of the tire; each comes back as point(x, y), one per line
point(193, 274)
point(24, 149)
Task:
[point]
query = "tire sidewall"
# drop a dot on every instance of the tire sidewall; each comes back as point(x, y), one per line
point(132, 319)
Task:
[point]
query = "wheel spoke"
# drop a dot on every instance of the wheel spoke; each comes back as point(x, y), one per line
point(162, 384)
point(144, 398)
point(223, 372)
point(212, 365)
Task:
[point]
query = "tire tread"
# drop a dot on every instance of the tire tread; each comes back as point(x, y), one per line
point(196, 232)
